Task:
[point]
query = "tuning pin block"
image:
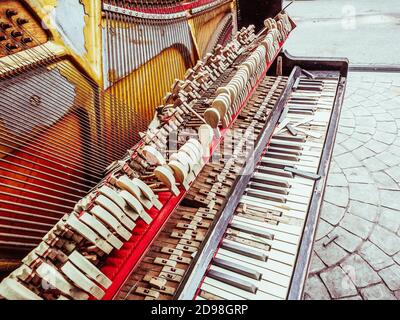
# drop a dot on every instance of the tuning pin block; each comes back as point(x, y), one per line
point(26, 40)
point(11, 46)
point(22, 21)
point(16, 34)
point(5, 25)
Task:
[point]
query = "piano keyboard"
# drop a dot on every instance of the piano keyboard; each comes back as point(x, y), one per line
point(258, 252)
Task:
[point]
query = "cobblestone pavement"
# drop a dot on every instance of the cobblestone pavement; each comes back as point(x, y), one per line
point(357, 247)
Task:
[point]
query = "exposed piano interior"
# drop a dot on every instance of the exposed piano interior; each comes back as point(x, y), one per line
point(219, 193)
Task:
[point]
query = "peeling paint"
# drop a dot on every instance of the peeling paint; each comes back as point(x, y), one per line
point(69, 20)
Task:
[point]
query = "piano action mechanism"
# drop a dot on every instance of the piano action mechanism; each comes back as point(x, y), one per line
point(218, 194)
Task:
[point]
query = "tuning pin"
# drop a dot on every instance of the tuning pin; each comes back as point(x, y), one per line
point(21, 21)
point(4, 25)
point(16, 34)
point(10, 13)
point(3, 37)
point(11, 46)
point(26, 40)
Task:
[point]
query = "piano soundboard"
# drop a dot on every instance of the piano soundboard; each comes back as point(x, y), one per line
point(219, 198)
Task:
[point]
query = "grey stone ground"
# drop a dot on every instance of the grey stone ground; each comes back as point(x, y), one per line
point(357, 248)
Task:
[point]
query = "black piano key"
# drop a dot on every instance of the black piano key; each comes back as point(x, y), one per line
point(309, 87)
point(233, 281)
point(253, 274)
point(263, 196)
point(289, 138)
point(249, 229)
point(304, 101)
point(274, 171)
point(247, 252)
point(265, 163)
point(284, 151)
point(267, 188)
point(299, 111)
point(282, 156)
point(274, 182)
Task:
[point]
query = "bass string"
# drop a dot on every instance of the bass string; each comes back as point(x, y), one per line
point(17, 94)
point(63, 144)
point(56, 178)
point(30, 142)
point(128, 111)
point(66, 197)
point(36, 215)
point(20, 236)
point(24, 230)
point(40, 201)
point(59, 162)
point(89, 80)
point(28, 222)
point(36, 208)
point(52, 169)
point(37, 193)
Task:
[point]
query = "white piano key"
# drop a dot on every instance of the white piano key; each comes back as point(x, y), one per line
point(236, 268)
point(261, 285)
point(289, 185)
point(260, 295)
point(315, 154)
point(295, 145)
point(290, 197)
point(281, 227)
point(313, 165)
point(219, 292)
point(232, 279)
point(290, 181)
point(272, 254)
point(293, 190)
point(276, 244)
point(279, 205)
point(287, 211)
point(291, 157)
point(267, 274)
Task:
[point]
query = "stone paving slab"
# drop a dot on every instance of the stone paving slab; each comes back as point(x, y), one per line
point(362, 201)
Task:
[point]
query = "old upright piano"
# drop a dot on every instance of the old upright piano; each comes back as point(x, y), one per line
point(160, 149)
